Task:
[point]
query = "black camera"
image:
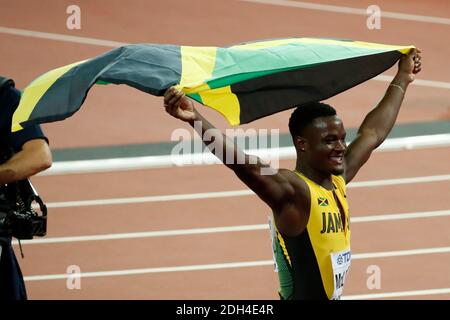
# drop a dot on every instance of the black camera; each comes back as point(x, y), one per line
point(23, 214)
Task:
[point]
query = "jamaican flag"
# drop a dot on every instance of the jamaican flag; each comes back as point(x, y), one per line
point(243, 82)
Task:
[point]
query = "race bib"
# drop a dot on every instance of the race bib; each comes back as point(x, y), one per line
point(340, 262)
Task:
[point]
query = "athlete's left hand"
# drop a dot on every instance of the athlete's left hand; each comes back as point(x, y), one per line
point(410, 65)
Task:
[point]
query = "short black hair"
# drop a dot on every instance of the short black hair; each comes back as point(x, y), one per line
point(306, 113)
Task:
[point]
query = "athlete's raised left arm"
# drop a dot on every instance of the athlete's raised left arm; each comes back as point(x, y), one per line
point(379, 122)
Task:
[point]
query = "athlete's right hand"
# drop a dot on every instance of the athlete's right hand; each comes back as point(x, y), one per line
point(178, 105)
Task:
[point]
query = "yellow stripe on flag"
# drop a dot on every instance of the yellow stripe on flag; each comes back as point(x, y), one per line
point(34, 92)
point(224, 101)
point(197, 65)
point(351, 44)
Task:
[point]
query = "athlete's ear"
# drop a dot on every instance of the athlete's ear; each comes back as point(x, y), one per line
point(300, 143)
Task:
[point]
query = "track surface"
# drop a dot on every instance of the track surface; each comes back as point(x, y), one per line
point(119, 115)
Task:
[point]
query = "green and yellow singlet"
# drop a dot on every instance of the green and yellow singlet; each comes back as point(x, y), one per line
point(314, 264)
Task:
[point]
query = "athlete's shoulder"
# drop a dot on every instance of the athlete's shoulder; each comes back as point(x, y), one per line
point(291, 176)
point(285, 172)
point(292, 217)
point(339, 180)
point(299, 188)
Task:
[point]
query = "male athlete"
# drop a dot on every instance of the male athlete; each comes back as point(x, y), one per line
point(311, 234)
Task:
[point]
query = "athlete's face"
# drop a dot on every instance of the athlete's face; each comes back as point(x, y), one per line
point(324, 145)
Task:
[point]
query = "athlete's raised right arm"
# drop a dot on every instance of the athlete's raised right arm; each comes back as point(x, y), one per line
point(274, 189)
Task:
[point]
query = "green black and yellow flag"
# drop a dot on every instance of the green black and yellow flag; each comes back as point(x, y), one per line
point(243, 82)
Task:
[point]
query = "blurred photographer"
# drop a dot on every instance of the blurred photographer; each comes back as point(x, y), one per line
point(23, 154)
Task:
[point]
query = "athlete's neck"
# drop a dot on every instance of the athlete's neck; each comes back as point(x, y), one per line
point(320, 178)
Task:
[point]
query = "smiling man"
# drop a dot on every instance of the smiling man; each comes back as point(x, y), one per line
point(310, 233)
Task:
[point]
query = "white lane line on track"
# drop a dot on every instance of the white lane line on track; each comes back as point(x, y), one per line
point(400, 253)
point(350, 10)
point(417, 82)
point(182, 232)
point(61, 37)
point(401, 216)
point(223, 265)
point(397, 294)
point(234, 193)
point(207, 158)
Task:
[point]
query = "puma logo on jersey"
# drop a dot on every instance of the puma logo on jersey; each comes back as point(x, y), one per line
point(331, 223)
